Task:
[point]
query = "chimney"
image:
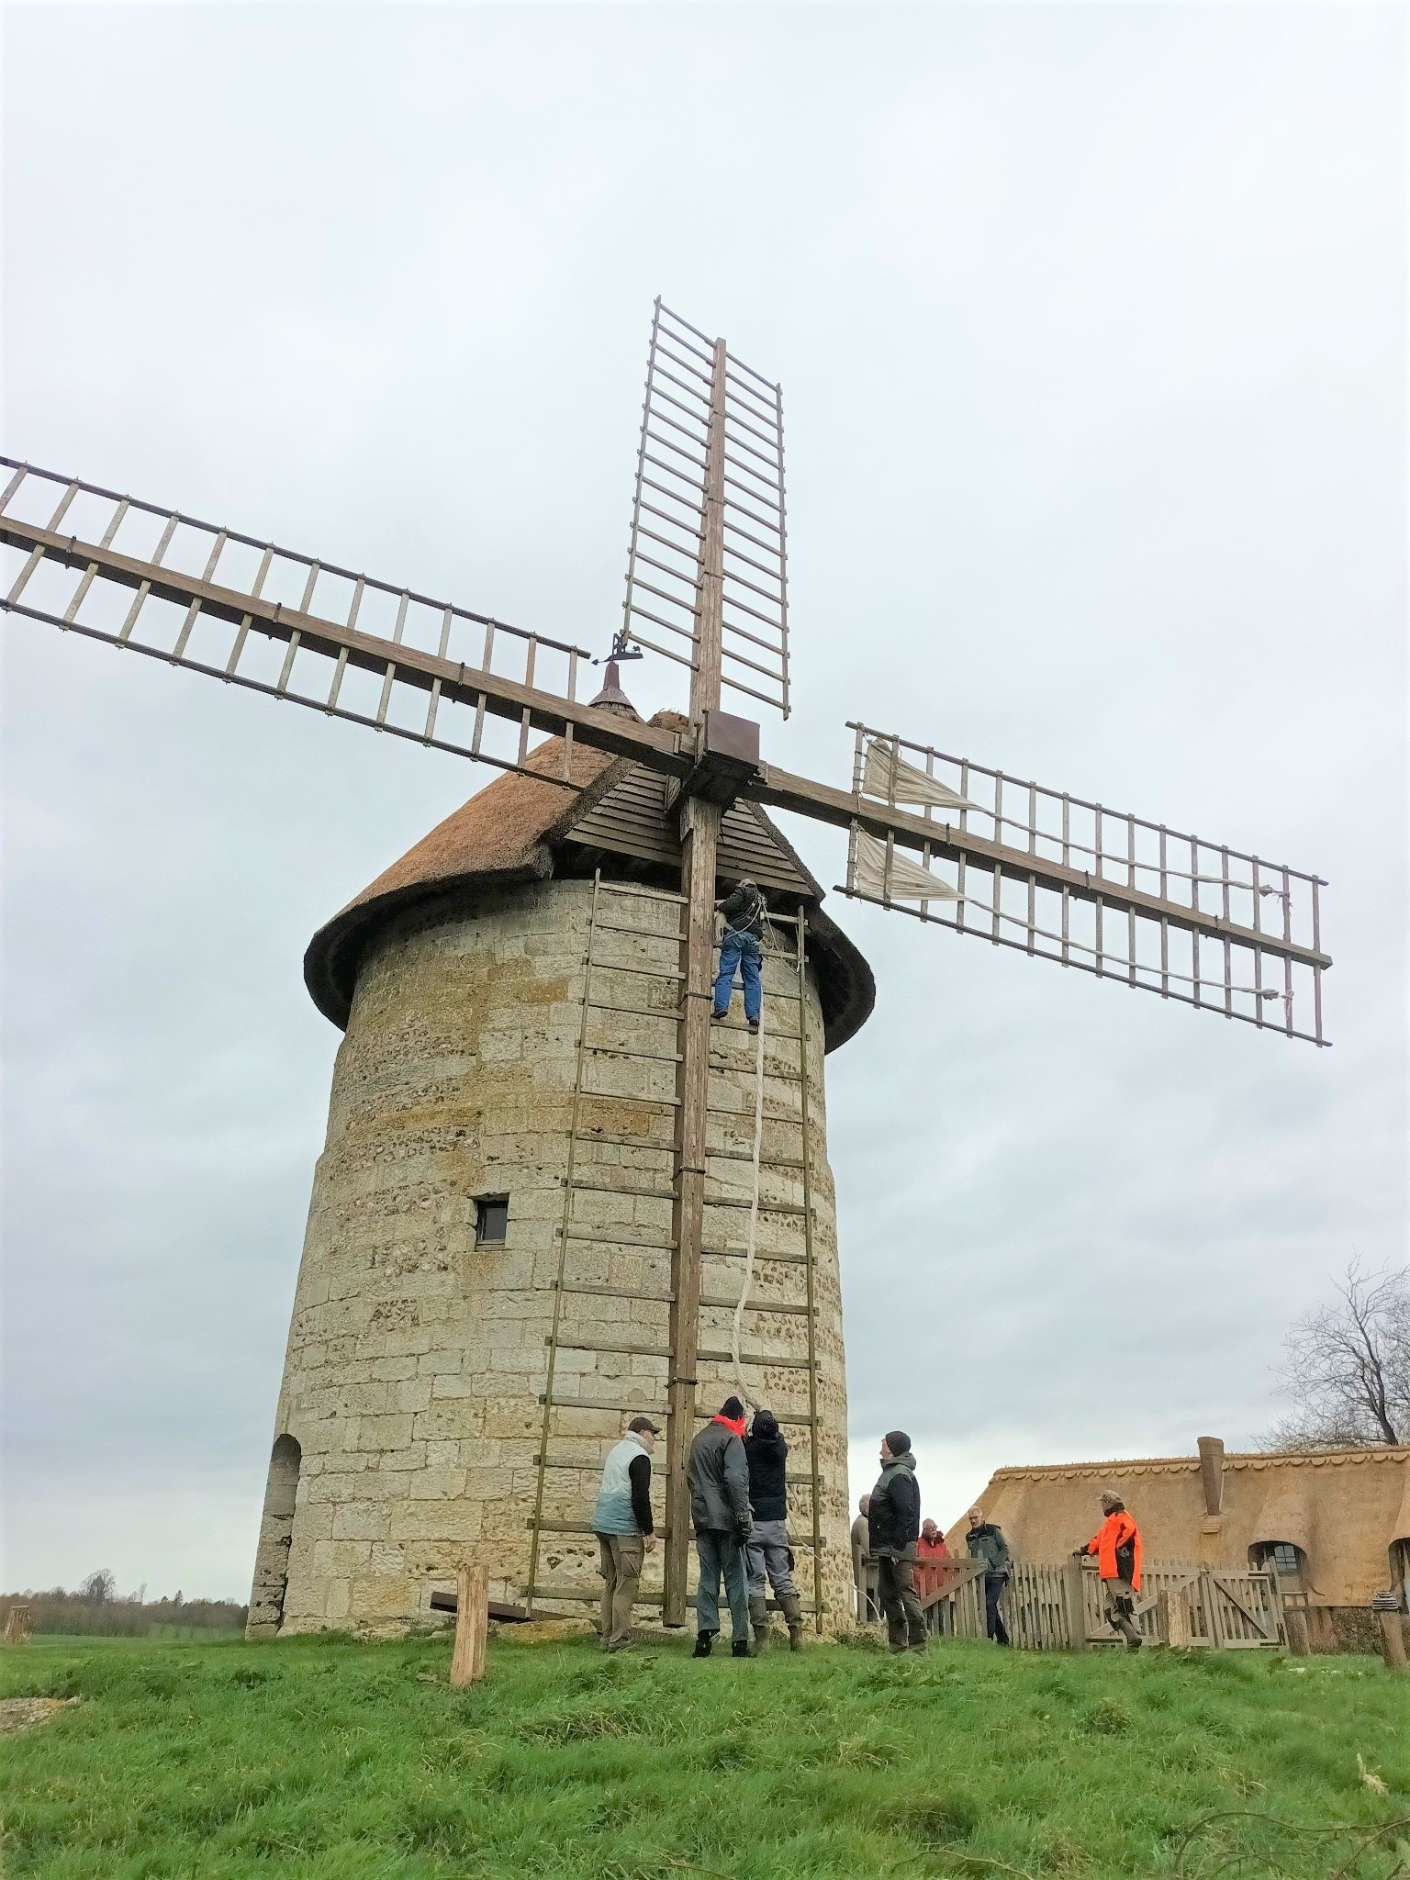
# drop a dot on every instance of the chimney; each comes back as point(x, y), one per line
point(1211, 1470)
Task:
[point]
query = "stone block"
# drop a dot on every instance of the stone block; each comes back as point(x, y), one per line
point(438, 1484)
point(359, 1521)
point(384, 1432)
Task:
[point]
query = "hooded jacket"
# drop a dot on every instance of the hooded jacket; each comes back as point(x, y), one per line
point(893, 1514)
point(766, 1453)
point(718, 1477)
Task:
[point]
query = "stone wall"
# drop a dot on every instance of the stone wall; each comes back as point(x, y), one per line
point(417, 1360)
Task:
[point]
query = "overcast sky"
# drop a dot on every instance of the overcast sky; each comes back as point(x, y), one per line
point(1091, 326)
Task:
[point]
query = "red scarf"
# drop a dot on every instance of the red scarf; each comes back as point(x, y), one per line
point(732, 1423)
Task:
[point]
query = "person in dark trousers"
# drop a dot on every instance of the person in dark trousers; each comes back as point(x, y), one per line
point(769, 1557)
point(1117, 1545)
point(624, 1528)
point(717, 1474)
point(866, 1605)
point(741, 949)
point(986, 1542)
point(893, 1526)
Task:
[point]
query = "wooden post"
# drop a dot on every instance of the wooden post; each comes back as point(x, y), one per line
point(700, 834)
point(472, 1624)
point(17, 1625)
point(1387, 1609)
point(1075, 1602)
point(1172, 1617)
point(700, 838)
point(1295, 1625)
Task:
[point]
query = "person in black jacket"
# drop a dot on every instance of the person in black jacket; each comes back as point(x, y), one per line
point(893, 1527)
point(769, 1557)
point(741, 949)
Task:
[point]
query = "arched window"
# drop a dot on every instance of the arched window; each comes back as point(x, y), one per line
point(276, 1533)
point(1285, 1558)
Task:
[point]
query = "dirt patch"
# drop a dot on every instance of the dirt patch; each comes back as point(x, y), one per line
point(22, 1713)
point(544, 1631)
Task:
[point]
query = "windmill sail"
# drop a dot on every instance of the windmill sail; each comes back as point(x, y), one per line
point(1064, 879)
point(148, 579)
point(706, 410)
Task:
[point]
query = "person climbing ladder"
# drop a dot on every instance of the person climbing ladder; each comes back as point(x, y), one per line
point(741, 949)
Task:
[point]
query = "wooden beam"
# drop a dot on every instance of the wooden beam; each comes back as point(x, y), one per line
point(700, 839)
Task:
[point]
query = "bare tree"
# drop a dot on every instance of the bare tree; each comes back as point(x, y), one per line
point(1346, 1367)
point(100, 1587)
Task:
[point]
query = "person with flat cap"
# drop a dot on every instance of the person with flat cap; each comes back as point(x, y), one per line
point(1117, 1545)
point(625, 1531)
point(893, 1526)
point(717, 1474)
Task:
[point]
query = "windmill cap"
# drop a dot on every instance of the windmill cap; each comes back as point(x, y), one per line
point(521, 828)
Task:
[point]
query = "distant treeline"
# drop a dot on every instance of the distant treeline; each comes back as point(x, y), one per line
point(98, 1610)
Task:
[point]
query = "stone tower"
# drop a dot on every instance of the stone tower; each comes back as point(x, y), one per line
point(491, 1212)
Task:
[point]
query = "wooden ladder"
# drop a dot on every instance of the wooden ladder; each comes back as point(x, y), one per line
point(585, 1176)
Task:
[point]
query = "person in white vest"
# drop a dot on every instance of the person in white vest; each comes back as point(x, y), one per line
point(624, 1528)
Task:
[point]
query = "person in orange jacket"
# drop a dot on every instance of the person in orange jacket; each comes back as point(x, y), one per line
point(1117, 1545)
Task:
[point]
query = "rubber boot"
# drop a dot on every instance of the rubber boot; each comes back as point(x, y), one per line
point(703, 1642)
point(759, 1620)
point(793, 1613)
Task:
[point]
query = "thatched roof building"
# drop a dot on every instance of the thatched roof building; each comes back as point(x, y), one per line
point(1335, 1523)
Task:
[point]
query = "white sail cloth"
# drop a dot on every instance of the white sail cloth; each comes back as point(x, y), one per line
point(902, 880)
point(890, 777)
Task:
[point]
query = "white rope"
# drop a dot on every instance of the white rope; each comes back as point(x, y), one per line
point(752, 1241)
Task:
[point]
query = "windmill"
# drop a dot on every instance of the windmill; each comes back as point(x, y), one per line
point(526, 999)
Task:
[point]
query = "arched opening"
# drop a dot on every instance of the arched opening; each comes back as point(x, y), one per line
point(1285, 1558)
point(276, 1533)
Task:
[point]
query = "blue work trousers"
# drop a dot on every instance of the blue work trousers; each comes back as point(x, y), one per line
point(740, 950)
point(721, 1553)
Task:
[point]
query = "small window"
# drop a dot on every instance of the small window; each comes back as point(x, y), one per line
point(1282, 1556)
point(491, 1220)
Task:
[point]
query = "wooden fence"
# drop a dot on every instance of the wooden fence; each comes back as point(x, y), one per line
point(1059, 1606)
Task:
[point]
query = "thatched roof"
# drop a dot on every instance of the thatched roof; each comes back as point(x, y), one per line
point(1342, 1508)
point(516, 829)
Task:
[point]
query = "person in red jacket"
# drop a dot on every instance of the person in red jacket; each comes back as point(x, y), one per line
point(930, 1548)
point(1117, 1545)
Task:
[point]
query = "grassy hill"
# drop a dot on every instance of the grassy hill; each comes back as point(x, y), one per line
point(327, 1760)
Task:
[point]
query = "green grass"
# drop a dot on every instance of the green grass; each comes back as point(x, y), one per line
point(327, 1760)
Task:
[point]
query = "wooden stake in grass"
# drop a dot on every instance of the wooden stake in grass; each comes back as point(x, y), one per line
point(1173, 1617)
point(472, 1624)
point(1387, 1609)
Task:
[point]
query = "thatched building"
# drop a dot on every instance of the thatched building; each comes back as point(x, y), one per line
point(1334, 1524)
